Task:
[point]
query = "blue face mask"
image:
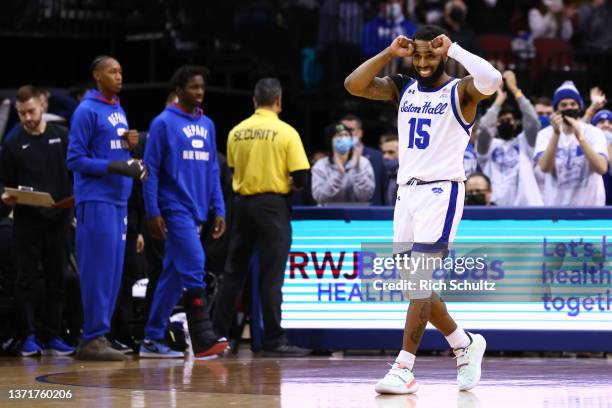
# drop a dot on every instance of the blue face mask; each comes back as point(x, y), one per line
point(343, 144)
point(544, 121)
point(391, 165)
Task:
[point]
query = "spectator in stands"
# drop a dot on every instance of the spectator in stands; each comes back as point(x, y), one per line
point(573, 154)
point(374, 156)
point(388, 24)
point(470, 159)
point(594, 26)
point(345, 175)
point(455, 12)
point(36, 157)
point(478, 190)
point(543, 108)
point(603, 120)
point(598, 101)
point(505, 152)
point(389, 144)
point(548, 20)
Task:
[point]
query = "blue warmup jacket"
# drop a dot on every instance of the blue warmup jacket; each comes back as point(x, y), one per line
point(95, 139)
point(181, 157)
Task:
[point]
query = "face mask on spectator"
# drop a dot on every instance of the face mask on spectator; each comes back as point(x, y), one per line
point(394, 10)
point(391, 164)
point(457, 15)
point(608, 135)
point(572, 113)
point(506, 131)
point(544, 121)
point(343, 144)
point(475, 199)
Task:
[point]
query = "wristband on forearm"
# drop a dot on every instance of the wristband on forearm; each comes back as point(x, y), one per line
point(486, 78)
point(129, 168)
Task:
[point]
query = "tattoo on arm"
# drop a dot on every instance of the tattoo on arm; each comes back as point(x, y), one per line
point(418, 331)
point(382, 89)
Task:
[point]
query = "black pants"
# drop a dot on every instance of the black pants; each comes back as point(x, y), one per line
point(40, 248)
point(260, 222)
point(154, 252)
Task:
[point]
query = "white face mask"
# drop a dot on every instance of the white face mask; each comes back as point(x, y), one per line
point(394, 10)
point(608, 135)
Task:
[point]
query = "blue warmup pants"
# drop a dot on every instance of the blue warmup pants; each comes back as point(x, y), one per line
point(183, 270)
point(100, 247)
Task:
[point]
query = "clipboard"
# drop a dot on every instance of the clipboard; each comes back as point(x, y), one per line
point(38, 198)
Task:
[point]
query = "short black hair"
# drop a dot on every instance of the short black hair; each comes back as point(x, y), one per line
point(267, 90)
point(506, 109)
point(182, 75)
point(429, 32)
point(352, 117)
point(484, 176)
point(99, 60)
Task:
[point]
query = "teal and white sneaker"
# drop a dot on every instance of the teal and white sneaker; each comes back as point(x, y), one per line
point(157, 349)
point(399, 380)
point(469, 361)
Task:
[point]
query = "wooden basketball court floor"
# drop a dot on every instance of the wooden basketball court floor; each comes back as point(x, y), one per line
point(250, 381)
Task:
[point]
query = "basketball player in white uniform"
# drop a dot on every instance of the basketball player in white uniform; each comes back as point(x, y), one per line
point(435, 115)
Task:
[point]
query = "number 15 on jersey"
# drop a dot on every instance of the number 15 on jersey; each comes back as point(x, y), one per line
point(421, 139)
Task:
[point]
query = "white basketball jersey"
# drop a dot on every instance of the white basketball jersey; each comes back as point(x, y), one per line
point(432, 133)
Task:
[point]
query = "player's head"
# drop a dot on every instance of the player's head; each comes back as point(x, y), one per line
point(339, 139)
point(507, 123)
point(354, 125)
point(567, 100)
point(478, 189)
point(189, 84)
point(29, 107)
point(427, 68)
point(389, 146)
point(107, 73)
point(603, 120)
point(268, 93)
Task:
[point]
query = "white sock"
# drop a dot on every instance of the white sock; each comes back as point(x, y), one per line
point(458, 339)
point(406, 359)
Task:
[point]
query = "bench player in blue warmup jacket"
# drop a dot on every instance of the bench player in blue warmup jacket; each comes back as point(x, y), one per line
point(99, 157)
point(183, 182)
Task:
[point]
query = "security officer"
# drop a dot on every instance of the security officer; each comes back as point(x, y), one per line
point(268, 161)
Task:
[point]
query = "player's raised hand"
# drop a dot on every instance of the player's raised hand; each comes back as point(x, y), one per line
point(402, 47)
point(440, 45)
